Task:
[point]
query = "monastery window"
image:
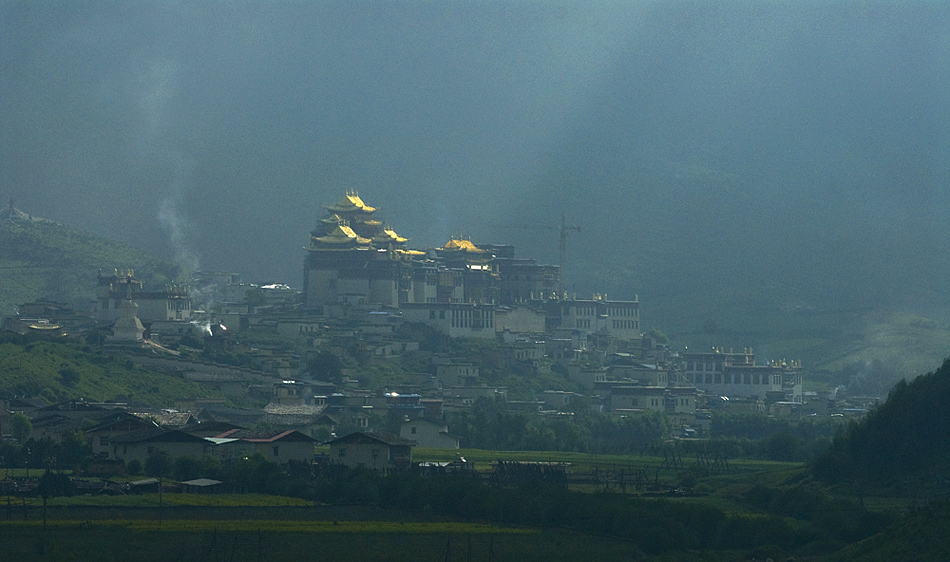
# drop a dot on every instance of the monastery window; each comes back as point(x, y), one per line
point(342, 453)
point(276, 451)
point(441, 315)
point(431, 315)
point(718, 378)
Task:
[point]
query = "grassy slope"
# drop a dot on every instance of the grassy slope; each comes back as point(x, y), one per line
point(921, 537)
point(59, 371)
point(49, 260)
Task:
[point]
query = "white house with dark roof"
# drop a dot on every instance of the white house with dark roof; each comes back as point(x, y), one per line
point(378, 451)
point(277, 447)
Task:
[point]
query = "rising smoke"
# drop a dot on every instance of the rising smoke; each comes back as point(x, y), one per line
point(160, 88)
point(176, 225)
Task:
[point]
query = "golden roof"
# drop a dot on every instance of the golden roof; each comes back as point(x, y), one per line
point(351, 202)
point(388, 236)
point(341, 234)
point(461, 245)
point(332, 219)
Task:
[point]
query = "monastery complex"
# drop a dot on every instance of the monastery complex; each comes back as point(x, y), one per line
point(461, 288)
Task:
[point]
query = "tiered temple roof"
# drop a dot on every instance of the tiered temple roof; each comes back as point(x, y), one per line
point(462, 246)
point(388, 236)
point(351, 203)
point(340, 236)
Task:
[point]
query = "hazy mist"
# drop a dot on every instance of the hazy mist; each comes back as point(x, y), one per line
point(797, 152)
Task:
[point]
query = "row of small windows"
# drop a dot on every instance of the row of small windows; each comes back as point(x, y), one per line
point(470, 318)
point(592, 311)
point(656, 402)
point(626, 324)
point(735, 378)
point(583, 323)
point(698, 366)
point(579, 311)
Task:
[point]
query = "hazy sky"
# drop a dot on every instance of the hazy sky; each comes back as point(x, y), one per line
point(733, 144)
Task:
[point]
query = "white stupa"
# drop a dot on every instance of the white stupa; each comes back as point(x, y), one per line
point(128, 327)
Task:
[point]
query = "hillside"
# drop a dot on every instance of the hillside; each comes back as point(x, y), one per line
point(40, 258)
point(918, 537)
point(710, 273)
point(58, 371)
point(902, 445)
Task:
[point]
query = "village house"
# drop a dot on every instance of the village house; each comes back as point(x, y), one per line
point(277, 447)
point(429, 434)
point(378, 451)
point(139, 445)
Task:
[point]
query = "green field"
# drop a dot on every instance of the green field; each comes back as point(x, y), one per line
point(283, 530)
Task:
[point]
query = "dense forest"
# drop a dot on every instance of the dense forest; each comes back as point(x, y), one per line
point(902, 443)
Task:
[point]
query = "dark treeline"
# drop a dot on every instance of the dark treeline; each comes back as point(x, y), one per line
point(773, 520)
point(490, 425)
point(756, 435)
point(73, 452)
point(776, 520)
point(903, 440)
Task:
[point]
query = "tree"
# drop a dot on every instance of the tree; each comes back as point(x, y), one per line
point(158, 464)
point(74, 450)
point(325, 366)
point(54, 484)
point(21, 426)
point(187, 468)
point(658, 336)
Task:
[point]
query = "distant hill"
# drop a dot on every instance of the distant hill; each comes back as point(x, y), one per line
point(715, 262)
point(40, 258)
point(902, 444)
point(56, 371)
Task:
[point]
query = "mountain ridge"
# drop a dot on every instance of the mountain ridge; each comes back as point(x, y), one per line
point(41, 258)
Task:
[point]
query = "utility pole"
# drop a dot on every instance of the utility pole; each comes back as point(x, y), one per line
point(562, 250)
point(563, 230)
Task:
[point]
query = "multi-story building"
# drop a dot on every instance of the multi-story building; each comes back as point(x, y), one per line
point(352, 260)
point(170, 303)
point(737, 375)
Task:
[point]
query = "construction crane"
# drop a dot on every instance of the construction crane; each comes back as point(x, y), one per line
point(563, 229)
